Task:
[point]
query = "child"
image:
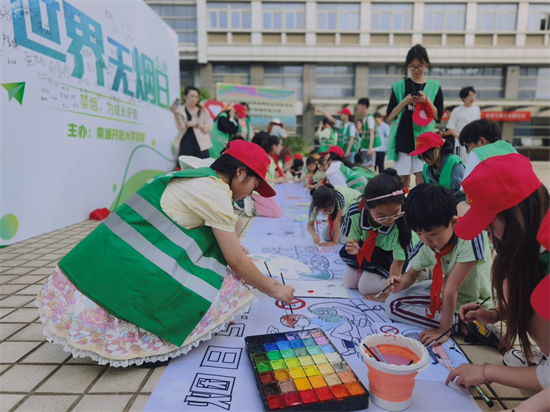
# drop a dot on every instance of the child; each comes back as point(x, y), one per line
point(442, 167)
point(378, 236)
point(369, 138)
point(334, 201)
point(313, 173)
point(508, 200)
point(340, 171)
point(152, 280)
point(383, 131)
point(297, 166)
point(346, 131)
point(327, 135)
point(462, 270)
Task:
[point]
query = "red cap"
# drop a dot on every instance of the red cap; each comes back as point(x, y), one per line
point(427, 141)
point(540, 299)
point(495, 185)
point(256, 159)
point(240, 109)
point(298, 156)
point(345, 110)
point(423, 114)
point(334, 149)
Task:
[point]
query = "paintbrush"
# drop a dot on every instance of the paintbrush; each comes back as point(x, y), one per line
point(268, 271)
point(289, 306)
point(371, 352)
point(379, 354)
point(456, 324)
point(386, 288)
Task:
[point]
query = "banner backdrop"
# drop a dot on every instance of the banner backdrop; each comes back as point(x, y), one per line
point(86, 88)
point(266, 103)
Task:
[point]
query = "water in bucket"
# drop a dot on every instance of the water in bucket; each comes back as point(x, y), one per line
point(391, 384)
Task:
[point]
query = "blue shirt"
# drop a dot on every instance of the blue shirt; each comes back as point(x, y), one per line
point(383, 133)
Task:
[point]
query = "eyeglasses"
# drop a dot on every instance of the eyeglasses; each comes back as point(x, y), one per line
point(388, 218)
point(418, 68)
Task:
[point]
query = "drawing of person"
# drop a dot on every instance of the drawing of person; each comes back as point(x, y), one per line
point(295, 321)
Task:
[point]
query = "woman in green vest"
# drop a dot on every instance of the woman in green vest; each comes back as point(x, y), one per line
point(153, 279)
point(226, 125)
point(327, 135)
point(406, 95)
point(245, 125)
point(442, 167)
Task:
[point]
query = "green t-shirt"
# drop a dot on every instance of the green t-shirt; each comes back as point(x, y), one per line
point(357, 225)
point(345, 197)
point(316, 177)
point(477, 286)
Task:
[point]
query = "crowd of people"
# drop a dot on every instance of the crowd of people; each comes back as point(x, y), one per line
point(473, 230)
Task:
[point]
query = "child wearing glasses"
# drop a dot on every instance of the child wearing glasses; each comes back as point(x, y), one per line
point(379, 239)
point(441, 166)
point(461, 268)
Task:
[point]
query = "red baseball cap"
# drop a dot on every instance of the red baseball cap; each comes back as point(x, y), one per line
point(427, 141)
point(495, 185)
point(256, 159)
point(334, 149)
point(345, 110)
point(240, 109)
point(298, 156)
point(540, 298)
point(423, 114)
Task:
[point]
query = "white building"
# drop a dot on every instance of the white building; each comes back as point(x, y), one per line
point(334, 52)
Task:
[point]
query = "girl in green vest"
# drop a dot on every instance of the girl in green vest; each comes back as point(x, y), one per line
point(406, 95)
point(226, 125)
point(327, 135)
point(379, 239)
point(153, 279)
point(346, 131)
point(341, 172)
point(442, 167)
point(313, 174)
point(333, 201)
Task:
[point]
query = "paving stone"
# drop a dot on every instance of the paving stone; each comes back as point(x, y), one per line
point(7, 329)
point(9, 401)
point(21, 315)
point(9, 289)
point(139, 403)
point(32, 256)
point(54, 256)
point(30, 290)
point(120, 380)
point(510, 404)
point(71, 379)
point(42, 271)
point(496, 407)
point(47, 403)
point(17, 271)
point(27, 279)
point(13, 262)
point(6, 256)
point(154, 379)
point(11, 352)
point(95, 403)
point(23, 378)
point(8, 278)
point(47, 353)
point(82, 361)
point(37, 263)
point(5, 311)
point(32, 333)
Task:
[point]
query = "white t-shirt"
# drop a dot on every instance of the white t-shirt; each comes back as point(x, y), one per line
point(543, 375)
point(333, 174)
point(383, 133)
point(460, 117)
point(471, 164)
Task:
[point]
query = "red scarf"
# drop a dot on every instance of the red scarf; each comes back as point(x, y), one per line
point(367, 249)
point(275, 159)
point(330, 227)
point(437, 282)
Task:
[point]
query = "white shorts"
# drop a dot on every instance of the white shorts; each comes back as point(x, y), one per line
point(406, 165)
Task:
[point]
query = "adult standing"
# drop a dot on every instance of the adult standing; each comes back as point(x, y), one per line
point(226, 126)
point(245, 125)
point(194, 126)
point(369, 138)
point(461, 116)
point(408, 95)
point(383, 131)
point(276, 128)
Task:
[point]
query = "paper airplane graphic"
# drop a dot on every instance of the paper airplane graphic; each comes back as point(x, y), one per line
point(15, 90)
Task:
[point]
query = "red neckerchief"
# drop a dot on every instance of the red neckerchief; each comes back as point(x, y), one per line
point(277, 164)
point(437, 282)
point(330, 227)
point(368, 245)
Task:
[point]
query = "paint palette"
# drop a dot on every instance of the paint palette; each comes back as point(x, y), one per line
point(302, 370)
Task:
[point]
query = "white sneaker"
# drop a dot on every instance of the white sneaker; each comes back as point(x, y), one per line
point(516, 359)
point(249, 208)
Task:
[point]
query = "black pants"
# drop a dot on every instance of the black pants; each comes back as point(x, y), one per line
point(190, 147)
point(381, 261)
point(379, 163)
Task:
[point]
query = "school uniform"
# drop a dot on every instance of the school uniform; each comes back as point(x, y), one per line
point(315, 177)
point(345, 132)
point(411, 305)
point(449, 174)
point(479, 154)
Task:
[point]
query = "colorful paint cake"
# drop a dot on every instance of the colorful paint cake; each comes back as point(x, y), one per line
point(302, 370)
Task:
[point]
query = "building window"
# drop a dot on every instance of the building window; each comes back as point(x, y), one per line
point(225, 15)
point(335, 81)
point(284, 16)
point(488, 81)
point(285, 76)
point(187, 75)
point(534, 83)
point(382, 77)
point(532, 133)
point(183, 19)
point(496, 17)
point(392, 17)
point(233, 74)
point(444, 17)
point(337, 16)
point(539, 17)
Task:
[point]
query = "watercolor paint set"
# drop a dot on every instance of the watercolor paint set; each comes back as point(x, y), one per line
point(302, 370)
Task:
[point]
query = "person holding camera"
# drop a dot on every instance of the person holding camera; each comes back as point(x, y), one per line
point(194, 126)
point(406, 95)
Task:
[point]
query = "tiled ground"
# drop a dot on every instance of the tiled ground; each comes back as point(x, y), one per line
point(38, 376)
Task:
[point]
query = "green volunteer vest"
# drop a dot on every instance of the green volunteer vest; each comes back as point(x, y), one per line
point(324, 144)
point(353, 179)
point(343, 137)
point(446, 175)
point(498, 148)
point(430, 90)
point(218, 138)
point(366, 172)
point(365, 140)
point(143, 267)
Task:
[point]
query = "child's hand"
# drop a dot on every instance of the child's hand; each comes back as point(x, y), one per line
point(316, 239)
point(352, 247)
point(283, 293)
point(468, 313)
point(396, 283)
point(466, 375)
point(429, 335)
point(331, 243)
